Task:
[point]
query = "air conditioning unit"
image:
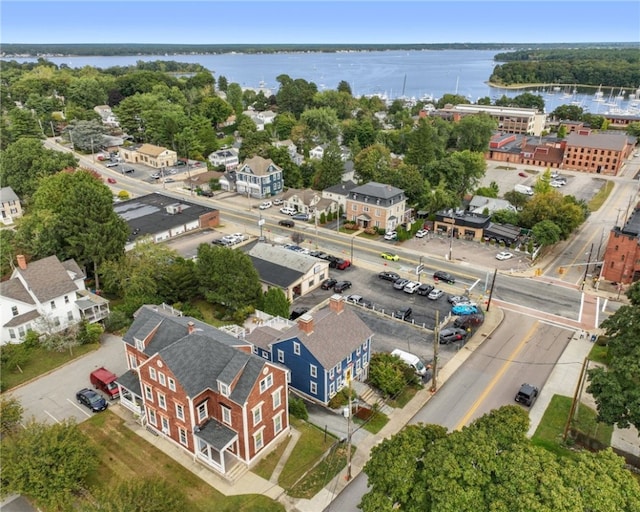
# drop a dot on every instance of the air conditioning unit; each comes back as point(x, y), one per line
point(172, 209)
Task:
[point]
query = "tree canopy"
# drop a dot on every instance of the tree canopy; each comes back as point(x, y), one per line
point(492, 465)
point(615, 386)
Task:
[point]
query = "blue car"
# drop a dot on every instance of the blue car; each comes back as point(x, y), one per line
point(464, 309)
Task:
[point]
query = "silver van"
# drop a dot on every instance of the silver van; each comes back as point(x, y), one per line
point(412, 360)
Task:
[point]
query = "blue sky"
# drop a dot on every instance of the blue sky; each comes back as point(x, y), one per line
point(302, 21)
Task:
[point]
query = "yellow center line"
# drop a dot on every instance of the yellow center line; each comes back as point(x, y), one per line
point(497, 377)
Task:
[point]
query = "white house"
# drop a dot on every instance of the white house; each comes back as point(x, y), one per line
point(46, 296)
point(10, 206)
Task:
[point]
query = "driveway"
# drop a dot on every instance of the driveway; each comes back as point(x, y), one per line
point(51, 398)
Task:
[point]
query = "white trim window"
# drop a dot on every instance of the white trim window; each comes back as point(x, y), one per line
point(202, 411)
point(256, 414)
point(162, 379)
point(226, 414)
point(258, 440)
point(313, 370)
point(148, 393)
point(296, 348)
point(180, 412)
point(313, 388)
point(266, 383)
point(224, 389)
point(152, 373)
point(151, 415)
point(166, 427)
point(182, 434)
point(280, 356)
point(277, 423)
point(172, 384)
point(162, 401)
point(276, 397)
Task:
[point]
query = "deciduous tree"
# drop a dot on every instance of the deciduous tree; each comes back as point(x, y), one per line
point(10, 415)
point(48, 463)
point(275, 302)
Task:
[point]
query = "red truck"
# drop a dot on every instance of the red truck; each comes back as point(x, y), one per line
point(105, 381)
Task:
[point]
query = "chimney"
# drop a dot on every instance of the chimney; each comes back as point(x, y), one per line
point(22, 261)
point(305, 323)
point(336, 303)
point(191, 327)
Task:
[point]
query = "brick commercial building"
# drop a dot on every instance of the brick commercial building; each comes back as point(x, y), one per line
point(622, 255)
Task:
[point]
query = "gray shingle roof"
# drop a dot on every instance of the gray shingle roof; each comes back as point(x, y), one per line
point(7, 194)
point(14, 289)
point(131, 381)
point(377, 190)
point(612, 141)
point(216, 434)
point(47, 278)
point(334, 336)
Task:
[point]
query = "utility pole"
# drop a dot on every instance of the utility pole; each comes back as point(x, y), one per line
point(574, 403)
point(451, 245)
point(436, 344)
point(586, 268)
point(493, 282)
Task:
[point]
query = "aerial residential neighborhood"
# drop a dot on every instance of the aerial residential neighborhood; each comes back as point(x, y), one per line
point(283, 292)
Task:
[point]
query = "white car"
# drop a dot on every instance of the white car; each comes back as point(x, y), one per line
point(411, 287)
point(435, 294)
point(421, 233)
point(391, 235)
point(277, 202)
point(229, 239)
point(287, 210)
point(504, 255)
point(239, 237)
point(265, 205)
point(556, 184)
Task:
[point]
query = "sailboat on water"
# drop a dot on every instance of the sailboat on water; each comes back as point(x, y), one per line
point(599, 95)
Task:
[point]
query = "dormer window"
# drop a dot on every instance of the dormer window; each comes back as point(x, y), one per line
point(224, 389)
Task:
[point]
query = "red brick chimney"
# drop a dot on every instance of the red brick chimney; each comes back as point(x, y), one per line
point(305, 323)
point(191, 327)
point(336, 303)
point(22, 261)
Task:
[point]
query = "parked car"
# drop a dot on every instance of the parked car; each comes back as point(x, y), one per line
point(277, 202)
point(340, 264)
point(464, 309)
point(297, 312)
point(440, 275)
point(341, 286)
point(287, 210)
point(127, 170)
point(469, 321)
point(239, 237)
point(391, 235)
point(435, 294)
point(399, 284)
point(452, 334)
point(359, 300)
point(169, 180)
point(105, 381)
point(301, 216)
point(389, 256)
point(411, 287)
point(206, 193)
point(421, 233)
point(111, 180)
point(527, 395)
point(389, 276)
point(523, 175)
point(504, 255)
point(403, 313)
point(266, 204)
point(457, 299)
point(112, 164)
point(557, 183)
point(327, 284)
point(89, 398)
point(287, 223)
point(155, 176)
point(424, 289)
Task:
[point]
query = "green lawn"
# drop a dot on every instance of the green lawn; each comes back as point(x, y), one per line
point(41, 361)
point(122, 454)
point(404, 397)
point(602, 195)
point(268, 464)
point(375, 423)
point(599, 353)
point(310, 447)
point(322, 474)
point(549, 432)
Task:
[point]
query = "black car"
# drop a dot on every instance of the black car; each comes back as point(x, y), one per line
point(527, 395)
point(440, 275)
point(286, 223)
point(327, 284)
point(89, 398)
point(424, 289)
point(297, 313)
point(389, 276)
point(452, 334)
point(403, 313)
point(206, 193)
point(341, 286)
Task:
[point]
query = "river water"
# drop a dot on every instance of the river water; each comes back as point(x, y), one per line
point(392, 74)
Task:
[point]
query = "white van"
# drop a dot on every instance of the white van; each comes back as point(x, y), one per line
point(412, 360)
point(524, 189)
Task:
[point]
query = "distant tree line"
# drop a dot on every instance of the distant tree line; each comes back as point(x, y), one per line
point(613, 67)
point(35, 50)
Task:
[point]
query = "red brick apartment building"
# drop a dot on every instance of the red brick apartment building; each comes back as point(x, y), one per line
point(622, 255)
point(202, 389)
point(598, 153)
